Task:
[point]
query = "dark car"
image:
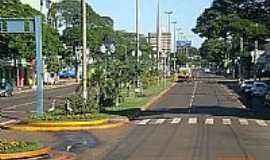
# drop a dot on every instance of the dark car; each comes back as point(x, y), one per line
point(6, 89)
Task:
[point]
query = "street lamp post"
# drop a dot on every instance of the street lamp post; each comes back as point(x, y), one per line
point(138, 43)
point(174, 46)
point(137, 30)
point(169, 13)
point(158, 34)
point(84, 41)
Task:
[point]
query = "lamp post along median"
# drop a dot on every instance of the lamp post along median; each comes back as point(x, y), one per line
point(84, 46)
point(158, 34)
point(169, 13)
point(174, 46)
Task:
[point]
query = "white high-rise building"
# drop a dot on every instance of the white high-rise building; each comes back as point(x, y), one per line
point(36, 4)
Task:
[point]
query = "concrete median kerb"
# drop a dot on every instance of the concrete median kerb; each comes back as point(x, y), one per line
point(68, 126)
point(156, 98)
point(25, 155)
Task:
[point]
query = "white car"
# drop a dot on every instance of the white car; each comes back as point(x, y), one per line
point(246, 85)
point(207, 70)
point(259, 89)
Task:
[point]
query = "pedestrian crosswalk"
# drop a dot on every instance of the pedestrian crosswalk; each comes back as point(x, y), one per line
point(206, 121)
point(209, 121)
point(176, 121)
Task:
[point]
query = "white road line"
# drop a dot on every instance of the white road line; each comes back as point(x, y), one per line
point(192, 121)
point(143, 122)
point(159, 121)
point(193, 94)
point(261, 123)
point(226, 121)
point(243, 122)
point(176, 121)
point(209, 121)
point(19, 105)
point(8, 122)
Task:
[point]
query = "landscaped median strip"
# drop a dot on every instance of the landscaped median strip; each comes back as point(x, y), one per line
point(68, 126)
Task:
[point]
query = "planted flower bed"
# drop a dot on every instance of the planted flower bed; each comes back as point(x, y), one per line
point(21, 150)
point(7, 147)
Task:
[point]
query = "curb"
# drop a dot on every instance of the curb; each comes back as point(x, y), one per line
point(61, 129)
point(45, 88)
point(24, 155)
point(70, 123)
point(153, 100)
point(68, 126)
point(156, 98)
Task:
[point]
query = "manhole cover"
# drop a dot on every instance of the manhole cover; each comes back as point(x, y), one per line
point(75, 142)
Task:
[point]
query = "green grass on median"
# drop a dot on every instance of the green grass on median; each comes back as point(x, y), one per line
point(128, 108)
point(134, 104)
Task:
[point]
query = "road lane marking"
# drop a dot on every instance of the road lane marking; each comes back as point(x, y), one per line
point(193, 95)
point(243, 122)
point(192, 121)
point(8, 122)
point(209, 121)
point(19, 105)
point(261, 123)
point(143, 122)
point(226, 121)
point(159, 121)
point(176, 121)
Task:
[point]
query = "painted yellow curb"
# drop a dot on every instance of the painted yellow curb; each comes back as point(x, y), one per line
point(23, 155)
point(63, 128)
point(154, 99)
point(69, 124)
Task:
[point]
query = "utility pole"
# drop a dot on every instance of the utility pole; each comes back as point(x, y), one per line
point(139, 84)
point(84, 41)
point(174, 46)
point(169, 13)
point(137, 31)
point(158, 34)
point(255, 54)
point(242, 45)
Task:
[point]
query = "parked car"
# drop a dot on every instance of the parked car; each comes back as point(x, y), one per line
point(207, 70)
point(246, 85)
point(6, 89)
point(259, 89)
point(67, 73)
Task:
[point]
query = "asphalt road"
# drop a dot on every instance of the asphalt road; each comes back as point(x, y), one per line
point(21, 105)
point(202, 120)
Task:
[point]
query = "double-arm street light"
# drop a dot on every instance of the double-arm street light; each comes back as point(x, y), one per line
point(169, 13)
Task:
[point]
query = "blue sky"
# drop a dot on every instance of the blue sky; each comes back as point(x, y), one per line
point(122, 12)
